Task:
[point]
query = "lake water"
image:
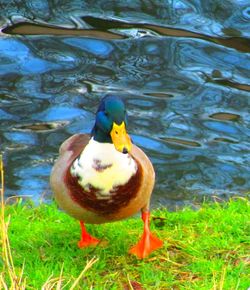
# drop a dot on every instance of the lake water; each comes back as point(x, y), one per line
point(182, 67)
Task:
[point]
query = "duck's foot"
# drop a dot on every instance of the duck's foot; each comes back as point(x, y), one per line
point(86, 239)
point(146, 245)
point(148, 242)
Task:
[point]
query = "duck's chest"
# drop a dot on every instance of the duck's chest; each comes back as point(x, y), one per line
point(102, 169)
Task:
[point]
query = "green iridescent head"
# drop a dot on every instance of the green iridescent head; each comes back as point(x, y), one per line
point(111, 122)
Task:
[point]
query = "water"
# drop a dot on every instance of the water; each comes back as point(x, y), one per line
point(182, 68)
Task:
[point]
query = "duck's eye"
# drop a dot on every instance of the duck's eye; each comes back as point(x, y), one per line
point(116, 132)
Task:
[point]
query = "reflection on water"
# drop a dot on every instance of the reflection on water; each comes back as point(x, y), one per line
point(182, 69)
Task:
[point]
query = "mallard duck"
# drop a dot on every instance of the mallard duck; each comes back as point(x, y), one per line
point(103, 177)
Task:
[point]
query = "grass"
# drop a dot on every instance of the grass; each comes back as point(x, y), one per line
point(203, 249)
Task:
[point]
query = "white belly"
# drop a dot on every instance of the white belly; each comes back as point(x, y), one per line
point(101, 166)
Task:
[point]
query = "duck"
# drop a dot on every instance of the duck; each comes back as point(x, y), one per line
point(103, 177)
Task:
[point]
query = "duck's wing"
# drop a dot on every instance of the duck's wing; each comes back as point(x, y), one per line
point(75, 143)
point(147, 175)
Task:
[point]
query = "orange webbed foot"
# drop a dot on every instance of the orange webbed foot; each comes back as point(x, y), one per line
point(148, 242)
point(86, 239)
point(146, 245)
point(89, 241)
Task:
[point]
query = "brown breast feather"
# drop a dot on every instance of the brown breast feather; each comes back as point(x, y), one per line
point(119, 197)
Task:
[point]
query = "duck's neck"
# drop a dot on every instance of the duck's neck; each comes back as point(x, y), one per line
point(99, 136)
point(101, 166)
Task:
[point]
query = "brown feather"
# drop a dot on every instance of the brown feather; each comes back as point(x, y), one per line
point(118, 198)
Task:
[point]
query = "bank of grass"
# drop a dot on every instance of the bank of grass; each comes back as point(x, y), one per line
point(203, 249)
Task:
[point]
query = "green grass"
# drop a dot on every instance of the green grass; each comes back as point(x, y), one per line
point(203, 249)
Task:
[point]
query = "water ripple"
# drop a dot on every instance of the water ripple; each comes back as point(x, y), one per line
point(182, 68)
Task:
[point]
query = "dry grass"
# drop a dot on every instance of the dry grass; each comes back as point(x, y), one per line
point(10, 278)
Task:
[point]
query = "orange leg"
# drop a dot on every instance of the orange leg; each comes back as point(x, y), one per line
point(148, 243)
point(86, 238)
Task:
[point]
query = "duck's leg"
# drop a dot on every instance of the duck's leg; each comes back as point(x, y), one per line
point(86, 238)
point(148, 242)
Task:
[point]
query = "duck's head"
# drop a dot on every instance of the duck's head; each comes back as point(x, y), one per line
point(111, 122)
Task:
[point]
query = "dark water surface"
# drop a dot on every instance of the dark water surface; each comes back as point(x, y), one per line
point(182, 67)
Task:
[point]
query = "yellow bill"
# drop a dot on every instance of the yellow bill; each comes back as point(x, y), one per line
point(120, 138)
